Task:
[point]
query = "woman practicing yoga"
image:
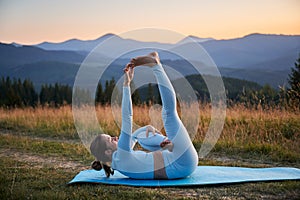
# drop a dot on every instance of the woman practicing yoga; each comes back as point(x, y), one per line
point(170, 157)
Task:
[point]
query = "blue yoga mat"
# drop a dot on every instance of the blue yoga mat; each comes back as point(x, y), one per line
point(203, 175)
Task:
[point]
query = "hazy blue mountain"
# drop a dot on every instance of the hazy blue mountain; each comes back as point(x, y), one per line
point(46, 72)
point(275, 78)
point(16, 44)
point(251, 51)
point(256, 57)
point(193, 39)
point(12, 56)
point(75, 44)
point(85, 46)
point(254, 50)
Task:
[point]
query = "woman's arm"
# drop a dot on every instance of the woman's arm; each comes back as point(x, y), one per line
point(126, 129)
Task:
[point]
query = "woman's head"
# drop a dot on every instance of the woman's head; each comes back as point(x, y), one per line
point(103, 146)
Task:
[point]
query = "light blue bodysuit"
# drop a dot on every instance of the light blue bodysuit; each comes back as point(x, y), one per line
point(150, 142)
point(157, 164)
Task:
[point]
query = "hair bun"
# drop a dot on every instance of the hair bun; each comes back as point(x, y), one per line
point(96, 165)
point(108, 170)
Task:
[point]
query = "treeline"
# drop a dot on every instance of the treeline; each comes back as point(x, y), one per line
point(18, 93)
point(266, 97)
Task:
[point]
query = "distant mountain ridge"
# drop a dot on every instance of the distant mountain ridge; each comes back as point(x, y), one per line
point(194, 39)
point(262, 58)
point(88, 45)
point(12, 56)
point(75, 44)
point(252, 49)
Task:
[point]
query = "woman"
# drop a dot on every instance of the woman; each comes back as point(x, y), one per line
point(177, 158)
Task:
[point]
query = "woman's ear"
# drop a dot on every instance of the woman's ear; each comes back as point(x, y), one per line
point(108, 155)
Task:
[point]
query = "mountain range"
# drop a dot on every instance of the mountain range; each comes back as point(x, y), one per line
point(261, 58)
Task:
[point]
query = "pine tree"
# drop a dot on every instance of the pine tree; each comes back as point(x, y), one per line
point(294, 77)
point(136, 99)
point(43, 95)
point(294, 81)
point(100, 94)
point(109, 87)
point(150, 95)
point(105, 94)
point(2, 91)
point(18, 92)
point(31, 97)
point(67, 91)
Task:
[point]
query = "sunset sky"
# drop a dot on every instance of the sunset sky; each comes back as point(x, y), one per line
point(35, 21)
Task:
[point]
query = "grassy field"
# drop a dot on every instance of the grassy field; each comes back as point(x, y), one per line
point(40, 152)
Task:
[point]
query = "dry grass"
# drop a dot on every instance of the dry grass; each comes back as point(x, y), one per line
point(244, 128)
point(276, 126)
point(40, 121)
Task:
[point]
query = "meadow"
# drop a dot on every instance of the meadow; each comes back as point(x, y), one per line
point(40, 151)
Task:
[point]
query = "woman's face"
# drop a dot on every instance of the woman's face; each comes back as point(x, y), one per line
point(110, 142)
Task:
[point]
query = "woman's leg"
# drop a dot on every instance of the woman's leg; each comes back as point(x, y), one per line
point(168, 96)
point(184, 153)
point(175, 130)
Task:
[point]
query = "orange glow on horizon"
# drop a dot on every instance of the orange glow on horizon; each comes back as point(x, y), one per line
point(33, 22)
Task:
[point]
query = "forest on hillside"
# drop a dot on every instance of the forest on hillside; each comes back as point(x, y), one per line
point(22, 93)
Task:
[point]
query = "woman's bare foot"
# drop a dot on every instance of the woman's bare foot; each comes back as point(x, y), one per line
point(149, 60)
point(167, 144)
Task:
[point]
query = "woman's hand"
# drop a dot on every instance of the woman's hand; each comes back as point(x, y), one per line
point(129, 73)
point(151, 129)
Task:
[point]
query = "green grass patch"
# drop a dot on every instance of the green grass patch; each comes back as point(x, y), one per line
point(262, 152)
point(18, 180)
point(46, 148)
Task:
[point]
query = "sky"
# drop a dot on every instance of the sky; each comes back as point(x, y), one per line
point(36, 21)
